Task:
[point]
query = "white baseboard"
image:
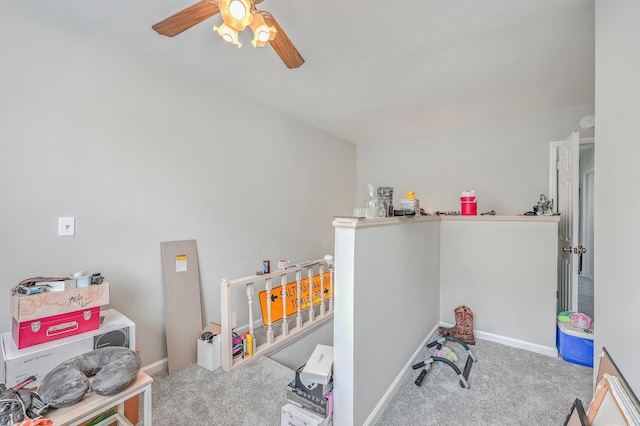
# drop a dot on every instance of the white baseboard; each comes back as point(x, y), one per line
point(375, 415)
point(520, 344)
point(156, 367)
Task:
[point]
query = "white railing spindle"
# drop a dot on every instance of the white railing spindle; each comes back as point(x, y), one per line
point(323, 309)
point(298, 301)
point(269, 286)
point(285, 323)
point(312, 315)
point(226, 325)
point(250, 304)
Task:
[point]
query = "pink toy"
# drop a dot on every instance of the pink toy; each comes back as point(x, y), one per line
point(580, 320)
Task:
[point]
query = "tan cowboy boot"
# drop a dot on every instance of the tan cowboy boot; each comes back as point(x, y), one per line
point(463, 329)
point(457, 313)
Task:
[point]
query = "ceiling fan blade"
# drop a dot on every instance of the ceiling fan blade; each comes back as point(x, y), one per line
point(186, 18)
point(282, 45)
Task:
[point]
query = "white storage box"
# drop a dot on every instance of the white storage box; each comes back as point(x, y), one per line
point(209, 353)
point(19, 364)
point(317, 390)
point(319, 367)
point(293, 415)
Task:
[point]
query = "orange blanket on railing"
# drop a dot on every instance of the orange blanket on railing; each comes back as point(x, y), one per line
point(291, 303)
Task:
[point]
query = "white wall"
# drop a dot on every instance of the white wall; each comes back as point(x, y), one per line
point(386, 305)
point(505, 271)
point(617, 228)
point(506, 162)
point(140, 151)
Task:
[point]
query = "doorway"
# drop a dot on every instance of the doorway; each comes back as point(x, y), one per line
point(586, 260)
point(575, 236)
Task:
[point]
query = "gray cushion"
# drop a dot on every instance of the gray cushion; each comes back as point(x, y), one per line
point(113, 367)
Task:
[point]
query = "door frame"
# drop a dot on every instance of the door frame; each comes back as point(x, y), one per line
point(553, 168)
point(586, 221)
point(553, 180)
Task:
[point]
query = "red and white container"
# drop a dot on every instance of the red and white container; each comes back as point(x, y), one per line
point(468, 203)
point(43, 330)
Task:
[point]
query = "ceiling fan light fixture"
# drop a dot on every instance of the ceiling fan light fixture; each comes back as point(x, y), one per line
point(236, 13)
point(230, 27)
point(237, 10)
point(262, 33)
point(228, 34)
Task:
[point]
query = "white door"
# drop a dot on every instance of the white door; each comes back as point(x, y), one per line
point(568, 206)
point(587, 223)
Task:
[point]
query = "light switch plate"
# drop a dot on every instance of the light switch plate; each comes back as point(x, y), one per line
point(66, 226)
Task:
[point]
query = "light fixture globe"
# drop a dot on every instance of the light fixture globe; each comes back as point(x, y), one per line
point(228, 34)
point(262, 33)
point(237, 10)
point(236, 13)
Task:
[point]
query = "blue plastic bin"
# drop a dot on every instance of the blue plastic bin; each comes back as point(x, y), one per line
point(575, 344)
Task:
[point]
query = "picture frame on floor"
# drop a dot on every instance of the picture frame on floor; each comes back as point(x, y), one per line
point(613, 401)
point(577, 416)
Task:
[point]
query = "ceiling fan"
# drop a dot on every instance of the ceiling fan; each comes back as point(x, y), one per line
point(236, 15)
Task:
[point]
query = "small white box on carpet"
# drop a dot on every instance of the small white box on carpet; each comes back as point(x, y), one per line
point(209, 353)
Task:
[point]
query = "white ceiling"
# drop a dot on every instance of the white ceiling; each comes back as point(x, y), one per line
point(373, 76)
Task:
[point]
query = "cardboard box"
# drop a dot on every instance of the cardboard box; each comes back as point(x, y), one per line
point(18, 364)
point(318, 390)
point(293, 415)
point(209, 353)
point(321, 406)
point(212, 328)
point(43, 330)
point(42, 305)
point(319, 367)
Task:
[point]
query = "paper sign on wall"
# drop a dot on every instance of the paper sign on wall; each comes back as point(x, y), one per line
point(181, 263)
